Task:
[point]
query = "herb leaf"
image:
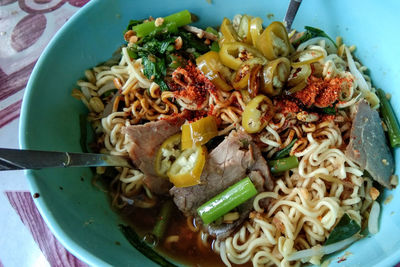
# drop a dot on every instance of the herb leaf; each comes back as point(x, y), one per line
point(344, 229)
point(310, 33)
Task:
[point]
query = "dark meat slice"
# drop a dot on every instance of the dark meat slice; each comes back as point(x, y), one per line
point(145, 141)
point(232, 160)
point(368, 146)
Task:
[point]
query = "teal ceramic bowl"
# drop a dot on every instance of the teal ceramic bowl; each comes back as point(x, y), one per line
point(80, 215)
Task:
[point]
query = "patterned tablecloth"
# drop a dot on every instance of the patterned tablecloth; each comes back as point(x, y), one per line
point(26, 27)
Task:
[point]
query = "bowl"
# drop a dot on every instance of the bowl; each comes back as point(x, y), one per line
point(79, 214)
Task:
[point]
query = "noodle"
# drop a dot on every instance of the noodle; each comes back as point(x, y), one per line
point(305, 203)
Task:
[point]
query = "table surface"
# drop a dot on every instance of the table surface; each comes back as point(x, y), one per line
point(26, 27)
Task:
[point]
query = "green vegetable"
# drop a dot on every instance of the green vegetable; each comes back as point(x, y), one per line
point(212, 30)
point(284, 152)
point(310, 33)
point(132, 23)
point(179, 19)
point(344, 229)
point(163, 220)
point(390, 119)
point(155, 69)
point(283, 164)
point(142, 247)
point(227, 200)
point(329, 110)
point(214, 46)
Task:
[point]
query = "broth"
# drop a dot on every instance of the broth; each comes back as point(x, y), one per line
point(188, 250)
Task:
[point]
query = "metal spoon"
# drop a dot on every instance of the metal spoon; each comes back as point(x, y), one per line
point(291, 13)
point(18, 159)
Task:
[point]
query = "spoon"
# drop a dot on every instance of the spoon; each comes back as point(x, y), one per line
point(19, 159)
point(291, 13)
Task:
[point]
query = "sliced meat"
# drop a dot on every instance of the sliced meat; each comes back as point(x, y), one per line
point(232, 160)
point(145, 141)
point(368, 146)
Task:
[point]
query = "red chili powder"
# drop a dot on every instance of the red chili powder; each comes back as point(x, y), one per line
point(319, 92)
point(190, 83)
point(286, 106)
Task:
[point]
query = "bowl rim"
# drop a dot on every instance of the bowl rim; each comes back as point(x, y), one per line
point(77, 250)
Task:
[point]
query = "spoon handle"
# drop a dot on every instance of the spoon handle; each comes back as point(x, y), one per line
point(291, 13)
point(19, 159)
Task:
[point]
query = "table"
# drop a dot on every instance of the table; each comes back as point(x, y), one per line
point(26, 27)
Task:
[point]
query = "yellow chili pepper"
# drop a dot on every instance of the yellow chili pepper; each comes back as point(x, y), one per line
point(228, 32)
point(241, 78)
point(255, 29)
point(276, 73)
point(312, 55)
point(299, 75)
point(257, 113)
point(187, 168)
point(274, 41)
point(211, 66)
point(234, 54)
point(167, 153)
point(244, 29)
point(199, 132)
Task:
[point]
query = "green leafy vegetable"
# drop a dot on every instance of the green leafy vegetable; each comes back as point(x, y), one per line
point(344, 229)
point(329, 110)
point(227, 200)
point(309, 33)
point(284, 152)
point(142, 247)
point(390, 119)
point(214, 46)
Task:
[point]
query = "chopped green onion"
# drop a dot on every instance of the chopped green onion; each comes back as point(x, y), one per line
point(227, 200)
point(390, 119)
point(163, 220)
point(344, 229)
point(285, 152)
point(284, 164)
point(172, 22)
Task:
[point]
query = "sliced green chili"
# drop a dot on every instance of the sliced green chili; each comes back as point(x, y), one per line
point(390, 119)
point(163, 220)
point(284, 164)
point(227, 200)
point(175, 20)
point(285, 152)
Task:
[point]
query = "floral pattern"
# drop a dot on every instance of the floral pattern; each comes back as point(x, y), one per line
point(26, 27)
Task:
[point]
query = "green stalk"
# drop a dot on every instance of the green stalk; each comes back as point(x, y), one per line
point(390, 119)
point(227, 200)
point(285, 152)
point(281, 165)
point(179, 19)
point(162, 220)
